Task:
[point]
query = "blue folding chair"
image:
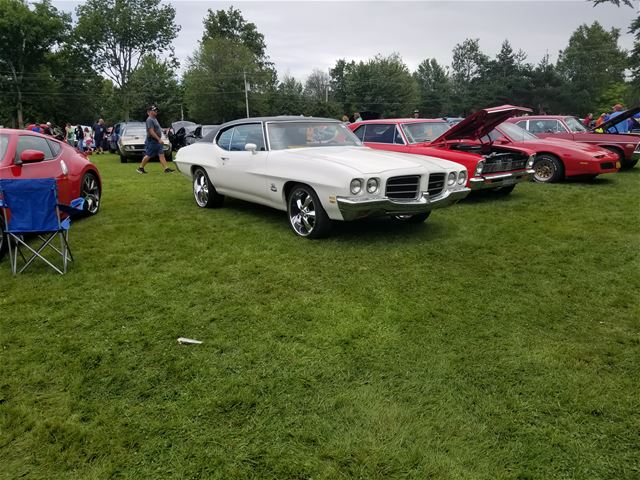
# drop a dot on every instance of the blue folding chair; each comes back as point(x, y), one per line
point(30, 209)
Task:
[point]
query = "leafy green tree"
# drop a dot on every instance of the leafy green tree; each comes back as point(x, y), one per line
point(231, 50)
point(338, 83)
point(154, 82)
point(592, 63)
point(288, 97)
point(214, 81)
point(467, 68)
point(27, 35)
point(118, 34)
point(317, 85)
point(230, 24)
point(547, 87)
point(383, 85)
point(506, 79)
point(434, 87)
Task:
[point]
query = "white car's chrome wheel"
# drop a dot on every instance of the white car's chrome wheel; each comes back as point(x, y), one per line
point(306, 215)
point(204, 192)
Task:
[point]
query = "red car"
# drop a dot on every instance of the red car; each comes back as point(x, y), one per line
point(498, 167)
point(25, 154)
point(557, 158)
point(625, 145)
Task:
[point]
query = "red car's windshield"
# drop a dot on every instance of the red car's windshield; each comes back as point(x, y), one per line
point(574, 124)
point(419, 132)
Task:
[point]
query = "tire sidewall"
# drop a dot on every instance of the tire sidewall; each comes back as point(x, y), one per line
point(95, 178)
point(557, 169)
point(322, 224)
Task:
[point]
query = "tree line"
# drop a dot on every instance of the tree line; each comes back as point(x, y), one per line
point(117, 57)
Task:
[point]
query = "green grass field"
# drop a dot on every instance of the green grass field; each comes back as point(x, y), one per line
point(499, 340)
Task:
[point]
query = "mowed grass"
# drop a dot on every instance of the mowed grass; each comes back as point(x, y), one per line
point(499, 340)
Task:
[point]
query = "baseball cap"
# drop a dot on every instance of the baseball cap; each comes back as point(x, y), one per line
point(152, 108)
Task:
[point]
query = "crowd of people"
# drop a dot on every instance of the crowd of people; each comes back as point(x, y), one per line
point(94, 139)
point(631, 124)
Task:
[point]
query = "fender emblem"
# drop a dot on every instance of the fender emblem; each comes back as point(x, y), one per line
point(273, 187)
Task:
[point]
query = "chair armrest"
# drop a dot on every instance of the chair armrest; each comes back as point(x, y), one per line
point(74, 209)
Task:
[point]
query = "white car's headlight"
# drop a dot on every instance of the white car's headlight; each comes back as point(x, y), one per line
point(479, 167)
point(462, 177)
point(356, 186)
point(372, 185)
point(451, 179)
point(530, 161)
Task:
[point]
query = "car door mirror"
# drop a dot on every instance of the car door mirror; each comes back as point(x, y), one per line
point(251, 147)
point(31, 156)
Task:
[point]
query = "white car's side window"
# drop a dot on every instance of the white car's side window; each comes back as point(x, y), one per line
point(224, 140)
point(243, 134)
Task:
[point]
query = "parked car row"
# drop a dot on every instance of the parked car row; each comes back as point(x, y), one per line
point(320, 170)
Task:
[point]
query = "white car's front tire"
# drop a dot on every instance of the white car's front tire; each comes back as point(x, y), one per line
point(306, 214)
point(204, 192)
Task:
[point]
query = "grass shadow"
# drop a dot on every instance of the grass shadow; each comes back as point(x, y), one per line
point(380, 228)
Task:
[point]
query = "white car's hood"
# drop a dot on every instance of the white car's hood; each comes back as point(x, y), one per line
point(368, 160)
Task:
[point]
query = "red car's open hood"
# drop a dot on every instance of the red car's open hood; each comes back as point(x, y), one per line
point(615, 120)
point(479, 124)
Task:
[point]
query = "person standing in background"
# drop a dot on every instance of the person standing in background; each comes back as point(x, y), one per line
point(98, 134)
point(153, 144)
point(70, 136)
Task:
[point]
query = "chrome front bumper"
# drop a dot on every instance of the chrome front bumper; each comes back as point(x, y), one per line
point(500, 179)
point(353, 208)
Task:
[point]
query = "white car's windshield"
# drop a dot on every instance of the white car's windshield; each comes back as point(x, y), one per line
point(574, 124)
point(284, 135)
point(418, 132)
point(134, 131)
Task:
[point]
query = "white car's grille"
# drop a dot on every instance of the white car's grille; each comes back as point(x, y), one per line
point(403, 188)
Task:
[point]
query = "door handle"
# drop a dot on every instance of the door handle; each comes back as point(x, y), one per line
point(224, 159)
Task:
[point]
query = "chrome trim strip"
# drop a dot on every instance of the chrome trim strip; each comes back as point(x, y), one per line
point(353, 208)
point(493, 181)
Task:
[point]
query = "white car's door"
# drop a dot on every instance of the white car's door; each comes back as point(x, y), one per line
point(241, 173)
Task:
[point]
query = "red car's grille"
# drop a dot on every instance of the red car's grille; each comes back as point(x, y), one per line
point(503, 162)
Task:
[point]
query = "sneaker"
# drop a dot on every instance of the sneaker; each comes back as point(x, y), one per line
point(169, 170)
point(141, 170)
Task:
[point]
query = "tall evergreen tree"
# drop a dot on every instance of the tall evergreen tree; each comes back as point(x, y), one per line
point(434, 87)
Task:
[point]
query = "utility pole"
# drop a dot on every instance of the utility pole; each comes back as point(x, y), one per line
point(246, 91)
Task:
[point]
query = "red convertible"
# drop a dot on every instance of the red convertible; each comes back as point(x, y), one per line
point(557, 158)
point(25, 154)
point(625, 145)
point(490, 166)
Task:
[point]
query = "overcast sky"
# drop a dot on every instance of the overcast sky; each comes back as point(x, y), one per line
point(304, 35)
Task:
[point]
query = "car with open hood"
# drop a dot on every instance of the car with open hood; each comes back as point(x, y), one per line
point(490, 166)
point(557, 158)
point(199, 133)
point(626, 146)
point(178, 133)
point(317, 171)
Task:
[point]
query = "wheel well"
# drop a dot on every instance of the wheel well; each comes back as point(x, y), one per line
point(615, 149)
point(286, 188)
point(97, 175)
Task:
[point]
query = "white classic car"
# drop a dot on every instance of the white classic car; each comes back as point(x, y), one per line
point(317, 170)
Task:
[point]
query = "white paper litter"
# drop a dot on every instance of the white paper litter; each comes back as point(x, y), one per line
point(188, 341)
